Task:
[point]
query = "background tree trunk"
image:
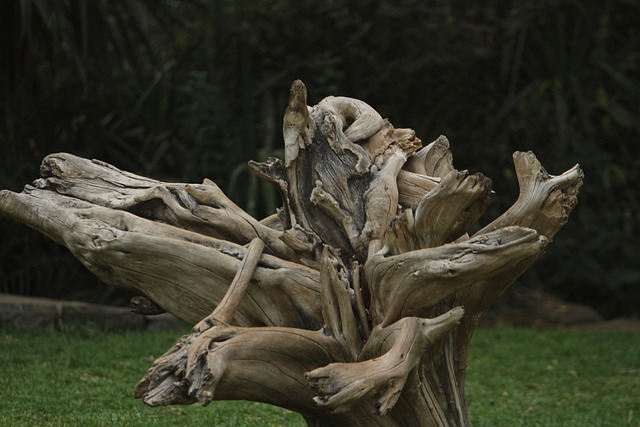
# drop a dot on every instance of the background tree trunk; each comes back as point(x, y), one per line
point(353, 305)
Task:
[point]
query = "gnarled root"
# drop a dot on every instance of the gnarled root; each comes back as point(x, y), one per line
point(339, 386)
point(260, 364)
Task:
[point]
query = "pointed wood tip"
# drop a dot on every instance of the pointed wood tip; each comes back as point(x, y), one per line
point(297, 93)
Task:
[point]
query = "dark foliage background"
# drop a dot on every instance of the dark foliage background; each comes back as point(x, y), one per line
point(185, 90)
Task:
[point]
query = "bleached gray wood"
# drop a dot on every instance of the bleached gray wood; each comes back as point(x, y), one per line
point(346, 305)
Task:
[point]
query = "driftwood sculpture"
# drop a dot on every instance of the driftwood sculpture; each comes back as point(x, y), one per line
point(353, 305)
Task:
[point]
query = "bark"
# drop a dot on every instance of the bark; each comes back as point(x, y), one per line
point(347, 304)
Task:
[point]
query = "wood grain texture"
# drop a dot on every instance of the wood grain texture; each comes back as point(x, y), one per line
point(353, 305)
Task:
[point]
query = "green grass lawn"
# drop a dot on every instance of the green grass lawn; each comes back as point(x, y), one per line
point(554, 378)
point(83, 376)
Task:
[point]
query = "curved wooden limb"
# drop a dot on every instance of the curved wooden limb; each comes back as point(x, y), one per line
point(545, 201)
point(201, 208)
point(339, 386)
point(410, 283)
point(185, 273)
point(544, 204)
point(433, 160)
point(357, 119)
point(423, 171)
point(226, 308)
point(448, 211)
point(222, 363)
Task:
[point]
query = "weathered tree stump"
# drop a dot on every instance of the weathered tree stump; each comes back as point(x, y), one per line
point(353, 305)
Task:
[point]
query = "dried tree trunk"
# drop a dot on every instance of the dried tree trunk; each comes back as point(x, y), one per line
point(347, 304)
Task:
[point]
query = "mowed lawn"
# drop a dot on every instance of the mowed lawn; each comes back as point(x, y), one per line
point(82, 375)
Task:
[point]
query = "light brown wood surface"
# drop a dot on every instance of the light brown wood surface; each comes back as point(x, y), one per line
point(354, 305)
